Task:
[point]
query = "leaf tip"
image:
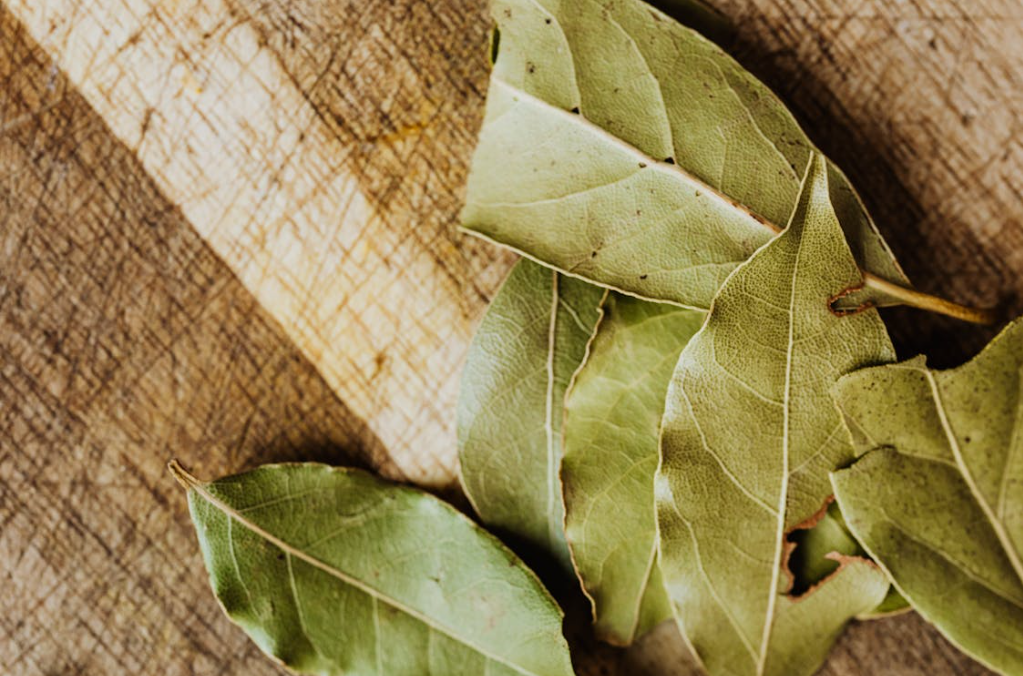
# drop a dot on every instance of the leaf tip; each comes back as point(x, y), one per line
point(183, 477)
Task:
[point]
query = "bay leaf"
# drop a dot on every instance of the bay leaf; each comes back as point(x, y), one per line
point(624, 148)
point(333, 571)
point(511, 403)
point(810, 561)
point(747, 441)
point(818, 552)
point(894, 603)
point(939, 504)
point(612, 419)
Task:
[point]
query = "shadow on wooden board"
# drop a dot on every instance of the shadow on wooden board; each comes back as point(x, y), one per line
point(920, 112)
point(123, 342)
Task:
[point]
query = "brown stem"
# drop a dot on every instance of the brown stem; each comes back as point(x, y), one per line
point(925, 301)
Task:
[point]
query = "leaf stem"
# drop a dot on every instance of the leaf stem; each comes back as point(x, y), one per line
point(925, 301)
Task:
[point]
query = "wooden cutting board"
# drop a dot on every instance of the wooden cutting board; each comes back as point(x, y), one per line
point(228, 235)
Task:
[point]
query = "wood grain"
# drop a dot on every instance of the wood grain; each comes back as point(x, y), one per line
point(375, 300)
point(123, 341)
point(154, 157)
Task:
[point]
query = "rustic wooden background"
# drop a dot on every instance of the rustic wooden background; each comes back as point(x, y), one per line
point(228, 235)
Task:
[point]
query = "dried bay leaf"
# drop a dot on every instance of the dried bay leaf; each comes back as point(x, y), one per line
point(811, 560)
point(625, 148)
point(333, 571)
point(940, 503)
point(819, 551)
point(511, 403)
point(747, 441)
point(612, 420)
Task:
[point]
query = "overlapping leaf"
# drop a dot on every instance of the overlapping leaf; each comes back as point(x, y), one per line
point(333, 571)
point(940, 506)
point(511, 404)
point(623, 148)
point(612, 418)
point(818, 552)
point(748, 437)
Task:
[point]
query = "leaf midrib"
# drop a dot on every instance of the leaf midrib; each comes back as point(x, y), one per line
point(553, 494)
point(759, 222)
point(233, 514)
point(786, 420)
point(964, 470)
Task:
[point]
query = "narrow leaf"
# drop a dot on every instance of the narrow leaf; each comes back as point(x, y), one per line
point(333, 571)
point(624, 148)
point(941, 506)
point(612, 418)
point(748, 439)
point(511, 404)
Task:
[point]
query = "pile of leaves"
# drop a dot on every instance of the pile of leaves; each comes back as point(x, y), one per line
point(683, 393)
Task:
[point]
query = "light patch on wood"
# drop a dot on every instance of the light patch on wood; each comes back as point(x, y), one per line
point(232, 141)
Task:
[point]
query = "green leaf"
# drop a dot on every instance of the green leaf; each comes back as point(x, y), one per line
point(333, 571)
point(941, 506)
point(511, 404)
point(612, 418)
point(813, 560)
point(624, 148)
point(747, 441)
point(810, 561)
point(894, 603)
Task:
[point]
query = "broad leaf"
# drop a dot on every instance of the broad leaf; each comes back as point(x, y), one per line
point(612, 418)
point(333, 571)
point(748, 439)
point(941, 506)
point(511, 404)
point(624, 148)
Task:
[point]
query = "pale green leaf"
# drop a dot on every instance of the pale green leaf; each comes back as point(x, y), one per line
point(941, 506)
point(624, 148)
point(612, 417)
point(333, 571)
point(810, 561)
point(814, 558)
point(749, 436)
point(894, 603)
point(511, 404)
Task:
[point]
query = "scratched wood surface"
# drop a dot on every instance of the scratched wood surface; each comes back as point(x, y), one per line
point(227, 235)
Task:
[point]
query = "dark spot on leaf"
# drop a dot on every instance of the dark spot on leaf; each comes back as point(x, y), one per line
point(698, 193)
point(642, 165)
point(530, 67)
point(547, 21)
point(643, 276)
point(576, 110)
point(593, 255)
point(639, 212)
point(670, 160)
point(507, 13)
